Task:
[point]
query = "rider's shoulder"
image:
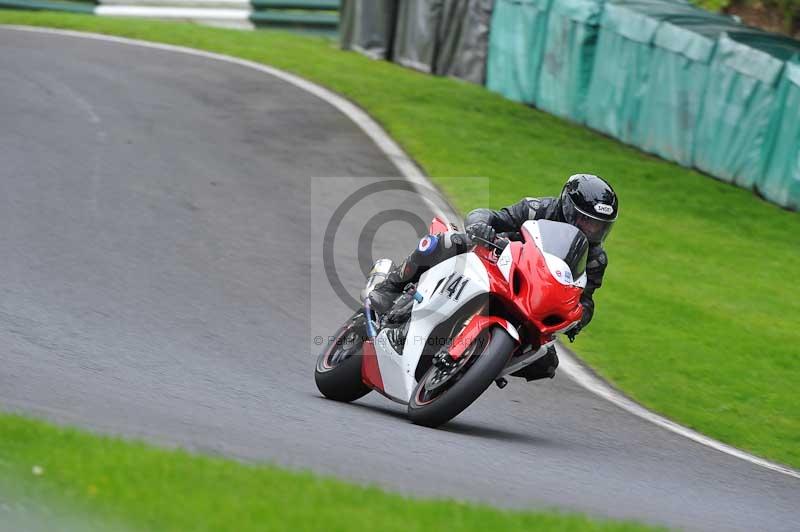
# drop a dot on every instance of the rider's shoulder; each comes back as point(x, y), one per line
point(538, 207)
point(546, 200)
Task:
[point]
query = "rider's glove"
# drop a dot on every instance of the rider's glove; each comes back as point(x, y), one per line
point(572, 333)
point(481, 230)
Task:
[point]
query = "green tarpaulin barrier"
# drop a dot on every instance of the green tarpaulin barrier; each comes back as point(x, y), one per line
point(781, 180)
point(731, 136)
point(620, 77)
point(569, 50)
point(691, 86)
point(516, 48)
point(683, 48)
point(367, 26)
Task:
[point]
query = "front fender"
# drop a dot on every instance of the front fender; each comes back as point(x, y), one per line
point(474, 328)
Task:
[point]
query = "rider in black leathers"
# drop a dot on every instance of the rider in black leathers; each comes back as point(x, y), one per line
point(587, 201)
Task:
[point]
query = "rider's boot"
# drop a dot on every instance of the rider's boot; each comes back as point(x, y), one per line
point(383, 296)
point(396, 320)
point(544, 368)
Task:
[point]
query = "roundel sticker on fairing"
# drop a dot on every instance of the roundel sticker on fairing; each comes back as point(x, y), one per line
point(428, 244)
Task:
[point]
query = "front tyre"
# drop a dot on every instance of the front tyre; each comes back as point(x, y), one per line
point(444, 392)
point(338, 371)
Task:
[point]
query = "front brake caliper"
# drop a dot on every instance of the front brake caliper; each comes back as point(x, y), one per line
point(442, 360)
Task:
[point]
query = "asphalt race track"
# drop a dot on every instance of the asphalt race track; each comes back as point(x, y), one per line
point(161, 279)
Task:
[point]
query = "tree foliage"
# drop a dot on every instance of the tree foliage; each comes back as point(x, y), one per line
point(788, 11)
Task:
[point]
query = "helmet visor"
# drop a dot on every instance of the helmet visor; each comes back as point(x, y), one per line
point(595, 230)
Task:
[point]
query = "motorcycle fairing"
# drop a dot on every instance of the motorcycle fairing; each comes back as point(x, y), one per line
point(398, 373)
point(370, 372)
point(558, 268)
point(473, 329)
point(550, 302)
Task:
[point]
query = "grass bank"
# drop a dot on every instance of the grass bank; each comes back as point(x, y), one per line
point(697, 318)
point(111, 485)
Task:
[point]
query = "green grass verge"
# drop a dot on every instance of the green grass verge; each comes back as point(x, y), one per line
point(698, 314)
point(105, 481)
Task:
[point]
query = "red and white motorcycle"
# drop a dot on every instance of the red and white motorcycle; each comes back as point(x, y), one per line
point(476, 317)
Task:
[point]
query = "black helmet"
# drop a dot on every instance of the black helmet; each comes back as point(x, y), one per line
point(590, 204)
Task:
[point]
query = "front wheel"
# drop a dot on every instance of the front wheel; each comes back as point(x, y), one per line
point(338, 371)
point(445, 392)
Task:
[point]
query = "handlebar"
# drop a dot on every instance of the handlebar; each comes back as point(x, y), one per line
point(514, 236)
point(497, 247)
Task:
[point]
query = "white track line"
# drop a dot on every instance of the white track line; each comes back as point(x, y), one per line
point(584, 376)
point(569, 362)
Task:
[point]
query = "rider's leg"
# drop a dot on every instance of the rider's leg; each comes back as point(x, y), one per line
point(431, 250)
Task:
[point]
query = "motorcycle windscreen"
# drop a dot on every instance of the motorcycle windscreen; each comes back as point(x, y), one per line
point(566, 242)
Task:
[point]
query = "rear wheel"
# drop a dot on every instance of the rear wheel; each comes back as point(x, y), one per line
point(338, 371)
point(446, 390)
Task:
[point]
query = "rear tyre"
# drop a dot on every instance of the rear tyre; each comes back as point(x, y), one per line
point(338, 371)
point(442, 394)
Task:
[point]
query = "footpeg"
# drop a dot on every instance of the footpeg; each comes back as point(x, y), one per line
point(501, 383)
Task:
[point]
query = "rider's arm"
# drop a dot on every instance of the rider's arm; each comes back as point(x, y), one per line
point(507, 219)
point(595, 269)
